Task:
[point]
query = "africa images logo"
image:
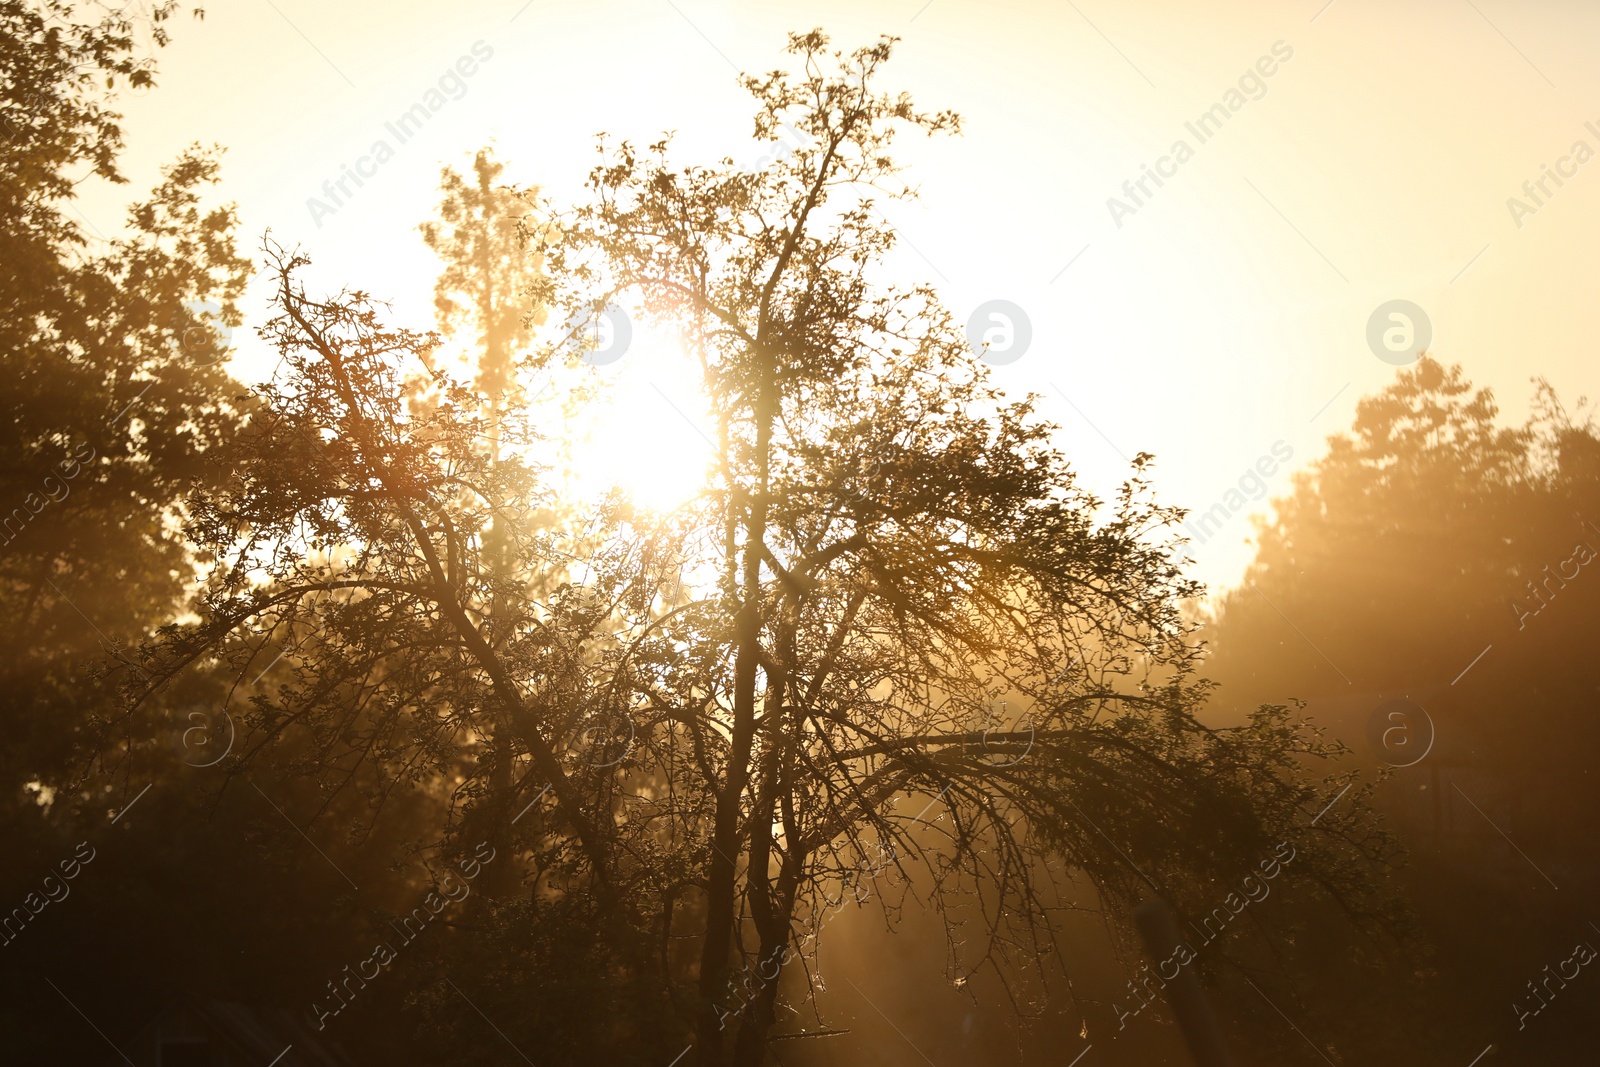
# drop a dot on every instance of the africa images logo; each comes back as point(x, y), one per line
point(1252, 85)
point(404, 127)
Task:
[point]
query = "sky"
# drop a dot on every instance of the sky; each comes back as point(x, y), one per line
point(1218, 320)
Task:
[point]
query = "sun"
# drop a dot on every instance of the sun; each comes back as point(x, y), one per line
point(648, 432)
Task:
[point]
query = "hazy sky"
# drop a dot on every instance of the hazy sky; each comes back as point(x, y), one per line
point(1224, 315)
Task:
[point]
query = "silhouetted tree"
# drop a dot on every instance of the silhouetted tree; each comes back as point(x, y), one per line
point(113, 391)
point(113, 398)
point(899, 556)
point(1410, 508)
point(1437, 555)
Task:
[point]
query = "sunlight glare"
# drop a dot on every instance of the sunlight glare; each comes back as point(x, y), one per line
point(648, 433)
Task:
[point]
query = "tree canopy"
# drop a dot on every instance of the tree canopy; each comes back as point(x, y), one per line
point(1439, 557)
point(114, 394)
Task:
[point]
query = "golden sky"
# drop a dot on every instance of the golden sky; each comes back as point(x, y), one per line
point(1225, 316)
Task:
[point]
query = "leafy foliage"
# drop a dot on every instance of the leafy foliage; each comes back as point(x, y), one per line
point(113, 389)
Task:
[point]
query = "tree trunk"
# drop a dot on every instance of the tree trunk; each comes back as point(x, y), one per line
point(721, 892)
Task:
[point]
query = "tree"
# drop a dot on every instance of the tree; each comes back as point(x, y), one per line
point(114, 396)
point(888, 550)
point(1409, 508)
point(900, 551)
point(351, 540)
point(114, 390)
point(1437, 555)
point(482, 235)
point(492, 250)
